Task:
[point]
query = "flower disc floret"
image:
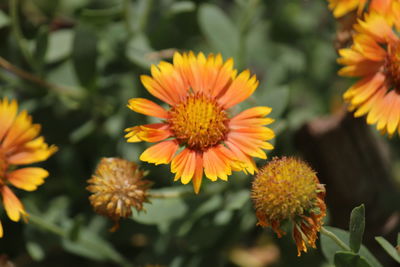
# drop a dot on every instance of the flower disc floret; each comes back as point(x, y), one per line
point(199, 122)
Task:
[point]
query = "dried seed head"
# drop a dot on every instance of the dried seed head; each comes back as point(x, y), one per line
point(117, 186)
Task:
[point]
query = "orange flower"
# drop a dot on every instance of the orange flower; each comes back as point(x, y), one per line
point(199, 92)
point(343, 7)
point(375, 59)
point(288, 189)
point(20, 144)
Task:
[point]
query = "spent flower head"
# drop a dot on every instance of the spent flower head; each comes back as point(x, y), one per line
point(117, 186)
point(287, 189)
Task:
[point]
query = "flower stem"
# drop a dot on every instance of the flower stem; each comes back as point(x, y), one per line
point(46, 226)
point(67, 91)
point(144, 15)
point(127, 16)
point(336, 239)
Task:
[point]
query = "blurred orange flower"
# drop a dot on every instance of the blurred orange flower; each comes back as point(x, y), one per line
point(343, 7)
point(375, 59)
point(199, 91)
point(288, 189)
point(20, 144)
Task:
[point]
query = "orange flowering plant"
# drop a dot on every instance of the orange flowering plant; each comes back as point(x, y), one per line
point(212, 95)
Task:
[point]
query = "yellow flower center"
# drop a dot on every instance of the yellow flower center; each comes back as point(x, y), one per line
point(285, 188)
point(392, 66)
point(198, 122)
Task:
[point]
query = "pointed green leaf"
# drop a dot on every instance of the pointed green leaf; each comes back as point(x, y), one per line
point(348, 258)
point(35, 251)
point(59, 45)
point(84, 56)
point(329, 247)
point(218, 29)
point(277, 99)
point(356, 227)
point(391, 250)
point(160, 210)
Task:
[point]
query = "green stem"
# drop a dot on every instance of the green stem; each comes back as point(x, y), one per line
point(144, 15)
point(336, 239)
point(243, 31)
point(127, 16)
point(47, 226)
point(16, 28)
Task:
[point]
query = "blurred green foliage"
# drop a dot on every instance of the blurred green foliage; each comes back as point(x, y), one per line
point(86, 57)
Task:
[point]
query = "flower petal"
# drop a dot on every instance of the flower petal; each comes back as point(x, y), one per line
point(198, 173)
point(184, 165)
point(12, 205)
point(8, 112)
point(241, 88)
point(147, 107)
point(21, 131)
point(34, 151)
point(1, 230)
point(27, 178)
point(150, 133)
point(161, 153)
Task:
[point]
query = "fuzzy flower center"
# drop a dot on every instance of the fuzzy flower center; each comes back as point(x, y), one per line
point(198, 122)
point(392, 66)
point(284, 189)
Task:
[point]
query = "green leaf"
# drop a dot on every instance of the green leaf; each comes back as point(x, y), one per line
point(91, 245)
point(218, 29)
point(237, 200)
point(329, 247)
point(138, 51)
point(181, 7)
point(42, 40)
point(82, 131)
point(356, 227)
point(4, 20)
point(160, 211)
point(350, 259)
point(277, 99)
point(84, 56)
point(35, 250)
point(59, 45)
point(391, 250)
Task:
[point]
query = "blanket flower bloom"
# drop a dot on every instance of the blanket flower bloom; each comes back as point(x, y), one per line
point(20, 144)
point(117, 186)
point(199, 91)
point(288, 189)
point(375, 59)
point(343, 7)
